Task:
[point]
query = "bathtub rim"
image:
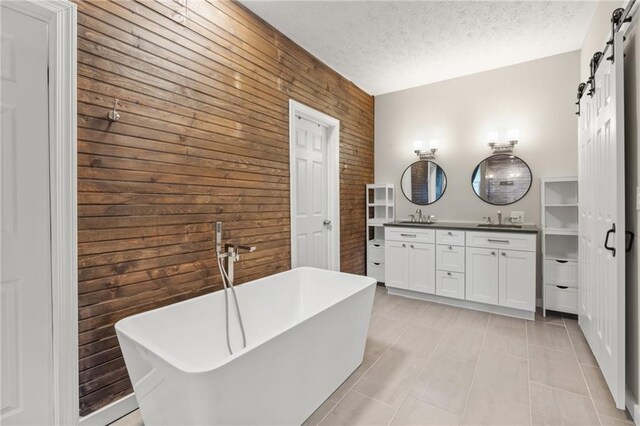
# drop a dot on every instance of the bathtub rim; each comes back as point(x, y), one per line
point(185, 369)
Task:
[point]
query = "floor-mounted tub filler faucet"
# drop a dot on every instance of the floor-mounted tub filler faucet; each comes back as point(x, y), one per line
point(230, 254)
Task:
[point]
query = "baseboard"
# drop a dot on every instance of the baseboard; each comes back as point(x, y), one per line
point(110, 413)
point(500, 310)
point(633, 407)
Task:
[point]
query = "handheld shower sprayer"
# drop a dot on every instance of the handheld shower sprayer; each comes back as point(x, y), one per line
point(218, 237)
point(231, 255)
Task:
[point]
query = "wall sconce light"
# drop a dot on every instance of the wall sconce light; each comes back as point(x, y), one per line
point(423, 153)
point(512, 135)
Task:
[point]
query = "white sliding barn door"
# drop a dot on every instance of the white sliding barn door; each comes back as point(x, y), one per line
point(311, 195)
point(26, 322)
point(602, 221)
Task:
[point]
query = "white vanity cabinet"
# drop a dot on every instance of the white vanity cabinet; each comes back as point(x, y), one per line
point(410, 259)
point(494, 271)
point(501, 269)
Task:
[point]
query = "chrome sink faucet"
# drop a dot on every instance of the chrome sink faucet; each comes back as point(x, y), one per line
point(420, 217)
point(499, 217)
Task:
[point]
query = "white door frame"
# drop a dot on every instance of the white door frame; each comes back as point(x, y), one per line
point(333, 171)
point(61, 19)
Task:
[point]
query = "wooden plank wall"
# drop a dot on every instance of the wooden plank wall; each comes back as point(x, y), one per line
point(203, 137)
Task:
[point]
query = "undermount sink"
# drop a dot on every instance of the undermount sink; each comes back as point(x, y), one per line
point(416, 223)
point(499, 225)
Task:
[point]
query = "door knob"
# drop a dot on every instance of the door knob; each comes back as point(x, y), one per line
point(326, 222)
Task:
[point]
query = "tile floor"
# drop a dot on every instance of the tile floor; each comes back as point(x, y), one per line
point(429, 364)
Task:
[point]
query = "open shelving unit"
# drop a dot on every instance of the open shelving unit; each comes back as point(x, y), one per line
point(559, 215)
point(381, 208)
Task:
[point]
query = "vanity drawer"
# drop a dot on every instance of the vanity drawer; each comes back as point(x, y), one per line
point(451, 237)
point(376, 253)
point(376, 270)
point(561, 299)
point(502, 240)
point(418, 235)
point(563, 273)
point(450, 284)
point(450, 258)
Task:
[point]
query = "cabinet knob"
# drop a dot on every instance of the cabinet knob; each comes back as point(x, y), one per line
point(404, 245)
point(449, 273)
point(449, 233)
point(504, 254)
point(493, 253)
point(450, 248)
point(411, 246)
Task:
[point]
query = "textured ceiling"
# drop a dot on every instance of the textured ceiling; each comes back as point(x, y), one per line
point(385, 46)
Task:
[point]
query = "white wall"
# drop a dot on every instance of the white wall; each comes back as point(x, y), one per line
point(535, 97)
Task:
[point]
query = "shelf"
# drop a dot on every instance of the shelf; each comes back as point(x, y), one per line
point(560, 231)
point(560, 191)
point(375, 223)
point(561, 218)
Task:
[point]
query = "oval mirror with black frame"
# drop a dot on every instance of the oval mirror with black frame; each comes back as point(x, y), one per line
point(423, 182)
point(501, 179)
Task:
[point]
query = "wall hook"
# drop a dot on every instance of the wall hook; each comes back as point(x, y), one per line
point(114, 115)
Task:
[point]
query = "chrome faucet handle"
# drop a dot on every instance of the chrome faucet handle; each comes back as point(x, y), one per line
point(413, 217)
point(488, 219)
point(431, 218)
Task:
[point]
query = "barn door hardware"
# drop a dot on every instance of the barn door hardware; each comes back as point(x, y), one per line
point(630, 237)
point(617, 19)
point(606, 240)
point(581, 87)
point(593, 67)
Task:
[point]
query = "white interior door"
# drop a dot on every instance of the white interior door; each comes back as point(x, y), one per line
point(26, 344)
point(311, 197)
point(602, 222)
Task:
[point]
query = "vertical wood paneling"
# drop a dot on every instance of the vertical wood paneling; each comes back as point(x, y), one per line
point(203, 137)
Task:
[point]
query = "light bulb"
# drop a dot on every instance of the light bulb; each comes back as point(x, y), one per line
point(512, 135)
point(418, 145)
point(433, 144)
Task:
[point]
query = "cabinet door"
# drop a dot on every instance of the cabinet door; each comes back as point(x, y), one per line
point(422, 267)
point(482, 275)
point(397, 264)
point(517, 279)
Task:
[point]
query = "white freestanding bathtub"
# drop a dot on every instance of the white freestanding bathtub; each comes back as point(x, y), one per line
point(306, 332)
